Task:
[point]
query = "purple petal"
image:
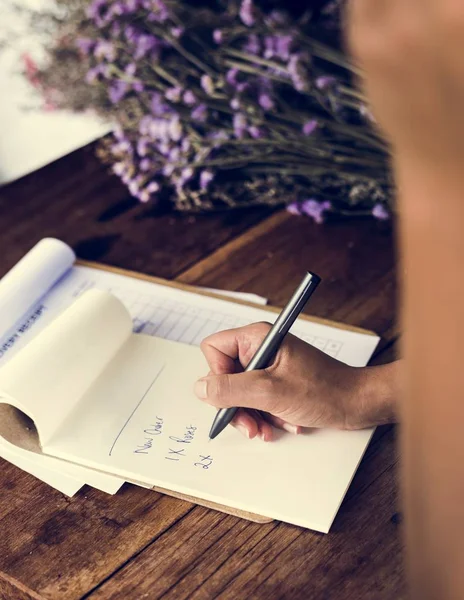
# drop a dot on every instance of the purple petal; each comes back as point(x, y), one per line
point(200, 113)
point(324, 81)
point(248, 12)
point(294, 209)
point(205, 178)
point(310, 127)
point(379, 212)
point(174, 94)
point(266, 102)
point(189, 98)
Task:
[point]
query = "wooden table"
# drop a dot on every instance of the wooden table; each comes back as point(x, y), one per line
point(141, 544)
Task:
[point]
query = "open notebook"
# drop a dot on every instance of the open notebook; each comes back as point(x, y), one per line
point(121, 404)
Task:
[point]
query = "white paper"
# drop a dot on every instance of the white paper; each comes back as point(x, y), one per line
point(31, 136)
point(30, 279)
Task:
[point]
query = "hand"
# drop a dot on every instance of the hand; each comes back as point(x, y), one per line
point(303, 387)
point(411, 55)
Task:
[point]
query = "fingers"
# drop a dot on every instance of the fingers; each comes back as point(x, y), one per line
point(253, 424)
point(223, 349)
point(253, 389)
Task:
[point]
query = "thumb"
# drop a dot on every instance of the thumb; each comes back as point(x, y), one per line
point(253, 389)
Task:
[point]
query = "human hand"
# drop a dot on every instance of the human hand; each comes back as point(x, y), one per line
point(411, 53)
point(303, 387)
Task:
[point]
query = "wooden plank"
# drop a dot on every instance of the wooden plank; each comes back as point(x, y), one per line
point(207, 555)
point(77, 201)
point(355, 259)
point(13, 590)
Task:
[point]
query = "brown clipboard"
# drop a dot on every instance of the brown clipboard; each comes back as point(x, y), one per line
point(190, 288)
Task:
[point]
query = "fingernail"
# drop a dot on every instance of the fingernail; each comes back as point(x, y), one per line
point(243, 430)
point(200, 389)
point(290, 428)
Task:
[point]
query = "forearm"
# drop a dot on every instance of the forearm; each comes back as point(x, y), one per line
point(432, 411)
point(375, 397)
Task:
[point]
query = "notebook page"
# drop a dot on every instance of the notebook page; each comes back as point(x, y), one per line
point(62, 362)
point(31, 278)
point(55, 373)
point(141, 421)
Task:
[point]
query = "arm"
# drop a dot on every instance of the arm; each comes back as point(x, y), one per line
point(412, 55)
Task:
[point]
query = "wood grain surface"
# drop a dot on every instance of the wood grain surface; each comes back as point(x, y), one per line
point(142, 544)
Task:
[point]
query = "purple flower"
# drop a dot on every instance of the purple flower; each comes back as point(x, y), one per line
point(269, 46)
point(131, 69)
point(276, 18)
point(145, 164)
point(235, 104)
point(206, 178)
point(177, 32)
point(144, 125)
point(379, 212)
point(119, 168)
point(294, 209)
point(248, 12)
point(174, 155)
point(189, 98)
point(95, 11)
point(173, 94)
point(207, 84)
point(117, 91)
point(310, 127)
point(283, 46)
point(185, 175)
point(144, 44)
point(142, 146)
point(325, 81)
point(266, 102)
point(240, 125)
point(130, 33)
point(158, 107)
point(218, 137)
point(253, 44)
point(85, 45)
point(152, 187)
point(231, 76)
point(159, 11)
point(298, 72)
point(94, 73)
point(315, 209)
point(218, 36)
point(200, 113)
point(133, 187)
point(255, 132)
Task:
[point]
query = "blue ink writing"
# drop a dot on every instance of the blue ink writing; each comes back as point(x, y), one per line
point(150, 432)
point(204, 462)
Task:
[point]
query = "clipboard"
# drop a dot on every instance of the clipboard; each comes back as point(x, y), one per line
point(189, 288)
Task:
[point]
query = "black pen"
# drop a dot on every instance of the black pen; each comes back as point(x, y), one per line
point(271, 342)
